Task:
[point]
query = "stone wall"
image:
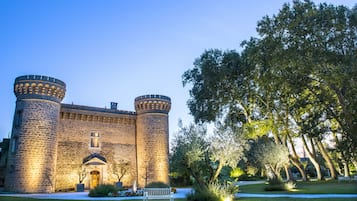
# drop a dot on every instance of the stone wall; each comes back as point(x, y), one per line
point(33, 151)
point(152, 138)
point(32, 156)
point(152, 148)
point(52, 142)
point(116, 139)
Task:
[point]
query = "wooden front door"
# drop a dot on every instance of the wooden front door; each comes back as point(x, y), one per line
point(94, 178)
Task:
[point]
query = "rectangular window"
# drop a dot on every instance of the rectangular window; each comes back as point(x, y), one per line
point(94, 140)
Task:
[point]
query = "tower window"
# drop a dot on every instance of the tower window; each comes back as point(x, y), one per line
point(14, 144)
point(18, 118)
point(94, 140)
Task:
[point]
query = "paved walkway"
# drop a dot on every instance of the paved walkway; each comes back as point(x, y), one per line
point(180, 193)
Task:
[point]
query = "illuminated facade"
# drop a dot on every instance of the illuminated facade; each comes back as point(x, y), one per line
point(54, 145)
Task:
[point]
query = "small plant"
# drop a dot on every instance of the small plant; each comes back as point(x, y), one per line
point(120, 169)
point(290, 186)
point(104, 190)
point(82, 173)
point(157, 184)
point(275, 184)
point(236, 173)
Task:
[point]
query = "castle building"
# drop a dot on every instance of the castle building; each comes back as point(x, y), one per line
point(54, 146)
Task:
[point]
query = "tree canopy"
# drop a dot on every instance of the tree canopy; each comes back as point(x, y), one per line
point(297, 79)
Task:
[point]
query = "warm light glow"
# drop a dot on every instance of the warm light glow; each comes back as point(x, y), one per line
point(35, 173)
point(227, 199)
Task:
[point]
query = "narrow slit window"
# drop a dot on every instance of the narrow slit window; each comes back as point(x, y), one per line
point(14, 144)
point(18, 118)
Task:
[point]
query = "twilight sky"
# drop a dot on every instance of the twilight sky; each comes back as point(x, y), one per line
point(117, 50)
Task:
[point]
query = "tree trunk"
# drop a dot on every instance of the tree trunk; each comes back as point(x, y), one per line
point(197, 177)
point(216, 173)
point(346, 169)
point(343, 159)
point(288, 173)
point(299, 166)
point(286, 167)
point(295, 160)
point(312, 158)
point(327, 159)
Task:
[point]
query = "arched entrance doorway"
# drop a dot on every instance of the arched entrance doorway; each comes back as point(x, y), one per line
point(94, 178)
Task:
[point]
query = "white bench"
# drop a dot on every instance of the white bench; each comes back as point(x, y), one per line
point(158, 194)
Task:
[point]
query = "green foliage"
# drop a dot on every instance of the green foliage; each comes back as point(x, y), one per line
point(213, 192)
point(203, 158)
point(251, 170)
point(297, 78)
point(157, 184)
point(237, 172)
point(275, 184)
point(272, 156)
point(202, 195)
point(220, 83)
point(189, 148)
point(259, 128)
point(104, 190)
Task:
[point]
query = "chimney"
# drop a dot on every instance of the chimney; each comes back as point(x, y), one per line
point(113, 105)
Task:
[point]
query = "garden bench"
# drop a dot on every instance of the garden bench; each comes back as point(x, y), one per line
point(158, 194)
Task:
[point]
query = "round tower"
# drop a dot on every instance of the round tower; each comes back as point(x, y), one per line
point(152, 138)
point(31, 165)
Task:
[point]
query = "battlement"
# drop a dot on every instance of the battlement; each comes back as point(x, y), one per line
point(40, 77)
point(152, 103)
point(39, 87)
point(152, 96)
point(95, 109)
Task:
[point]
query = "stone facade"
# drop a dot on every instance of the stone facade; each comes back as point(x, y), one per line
point(55, 145)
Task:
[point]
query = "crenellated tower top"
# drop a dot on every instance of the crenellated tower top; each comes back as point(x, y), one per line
point(152, 104)
point(39, 87)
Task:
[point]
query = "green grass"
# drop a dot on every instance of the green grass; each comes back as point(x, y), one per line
point(323, 187)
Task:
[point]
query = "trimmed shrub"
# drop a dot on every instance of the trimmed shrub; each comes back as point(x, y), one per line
point(104, 190)
point(157, 184)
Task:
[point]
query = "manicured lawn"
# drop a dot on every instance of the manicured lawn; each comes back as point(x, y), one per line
point(324, 187)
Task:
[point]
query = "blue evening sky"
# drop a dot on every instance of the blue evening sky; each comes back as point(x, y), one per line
point(117, 50)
